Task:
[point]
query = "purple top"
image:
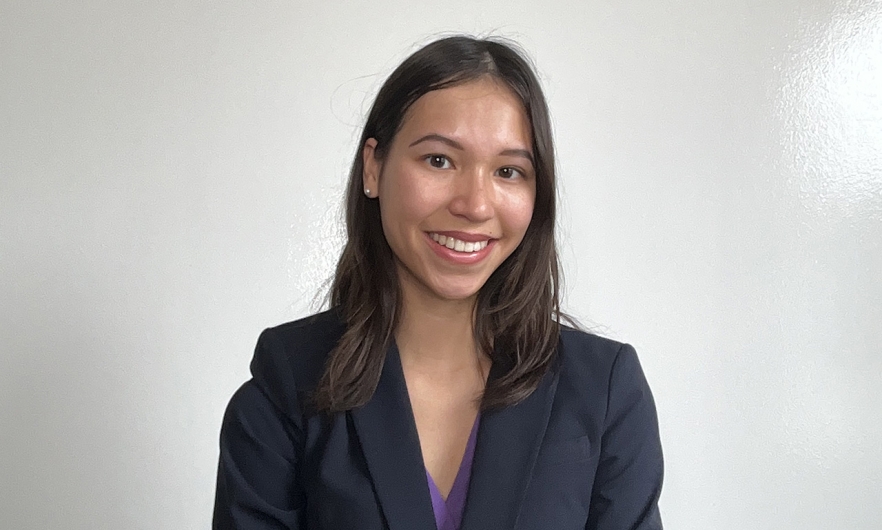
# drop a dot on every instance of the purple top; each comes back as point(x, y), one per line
point(448, 514)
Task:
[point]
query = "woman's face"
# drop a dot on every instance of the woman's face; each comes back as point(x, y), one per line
point(456, 188)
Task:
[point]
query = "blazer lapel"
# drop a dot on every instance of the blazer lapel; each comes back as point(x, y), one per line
point(507, 446)
point(388, 435)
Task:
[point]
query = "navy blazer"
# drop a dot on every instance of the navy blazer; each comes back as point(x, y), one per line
point(581, 452)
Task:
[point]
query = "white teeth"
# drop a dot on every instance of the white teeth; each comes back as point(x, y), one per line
point(457, 245)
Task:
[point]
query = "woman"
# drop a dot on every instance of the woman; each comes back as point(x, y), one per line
point(440, 390)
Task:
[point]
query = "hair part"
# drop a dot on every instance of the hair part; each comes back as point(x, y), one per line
point(517, 313)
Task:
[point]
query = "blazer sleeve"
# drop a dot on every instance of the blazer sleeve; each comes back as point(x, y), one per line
point(629, 474)
point(260, 445)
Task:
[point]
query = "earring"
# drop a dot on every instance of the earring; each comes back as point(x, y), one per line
point(367, 192)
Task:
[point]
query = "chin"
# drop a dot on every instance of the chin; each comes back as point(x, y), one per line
point(456, 293)
point(460, 297)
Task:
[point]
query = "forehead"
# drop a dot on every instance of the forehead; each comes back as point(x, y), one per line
point(484, 111)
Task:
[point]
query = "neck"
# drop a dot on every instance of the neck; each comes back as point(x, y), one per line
point(437, 335)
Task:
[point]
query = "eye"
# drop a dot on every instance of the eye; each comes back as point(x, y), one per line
point(439, 161)
point(510, 173)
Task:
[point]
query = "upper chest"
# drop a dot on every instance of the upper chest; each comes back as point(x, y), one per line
point(444, 416)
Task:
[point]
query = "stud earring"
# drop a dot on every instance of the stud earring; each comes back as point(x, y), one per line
point(367, 192)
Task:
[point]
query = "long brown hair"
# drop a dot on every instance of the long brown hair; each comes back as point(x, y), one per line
point(517, 313)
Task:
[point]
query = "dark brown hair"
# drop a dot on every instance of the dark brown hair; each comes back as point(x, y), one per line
point(517, 313)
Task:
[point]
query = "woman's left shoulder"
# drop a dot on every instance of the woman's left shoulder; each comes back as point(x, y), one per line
point(591, 355)
point(603, 378)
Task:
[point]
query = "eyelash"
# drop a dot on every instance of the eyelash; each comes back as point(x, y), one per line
point(514, 169)
point(429, 159)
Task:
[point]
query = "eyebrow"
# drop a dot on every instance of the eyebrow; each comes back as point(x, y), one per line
point(523, 153)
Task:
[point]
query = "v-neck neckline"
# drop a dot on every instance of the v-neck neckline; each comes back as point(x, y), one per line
point(448, 511)
point(506, 447)
point(464, 465)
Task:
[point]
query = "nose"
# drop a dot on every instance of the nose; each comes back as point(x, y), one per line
point(473, 195)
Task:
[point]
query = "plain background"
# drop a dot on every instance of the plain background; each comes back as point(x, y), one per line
point(170, 181)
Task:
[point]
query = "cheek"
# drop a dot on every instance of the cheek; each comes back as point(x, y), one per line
point(409, 196)
point(518, 211)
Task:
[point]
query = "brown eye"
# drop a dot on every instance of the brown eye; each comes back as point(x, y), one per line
point(509, 173)
point(438, 161)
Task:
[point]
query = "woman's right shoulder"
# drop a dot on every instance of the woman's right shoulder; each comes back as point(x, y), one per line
point(294, 353)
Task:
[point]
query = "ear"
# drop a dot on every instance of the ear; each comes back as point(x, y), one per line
point(370, 177)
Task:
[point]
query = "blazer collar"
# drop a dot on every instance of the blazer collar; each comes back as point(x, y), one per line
point(387, 432)
point(505, 454)
point(507, 446)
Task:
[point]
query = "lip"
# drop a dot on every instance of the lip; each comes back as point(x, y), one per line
point(465, 236)
point(461, 258)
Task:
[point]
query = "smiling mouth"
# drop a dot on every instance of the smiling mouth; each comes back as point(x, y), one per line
point(458, 245)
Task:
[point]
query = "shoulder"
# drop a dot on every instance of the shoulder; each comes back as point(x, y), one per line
point(582, 351)
point(603, 391)
point(293, 354)
point(595, 368)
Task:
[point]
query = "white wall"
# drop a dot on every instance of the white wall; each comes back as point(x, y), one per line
point(169, 182)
